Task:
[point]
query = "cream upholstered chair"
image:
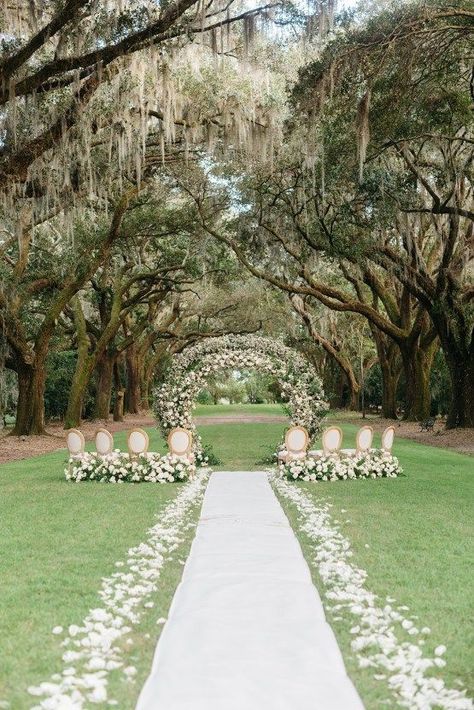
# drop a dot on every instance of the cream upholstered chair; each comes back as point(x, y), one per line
point(296, 444)
point(138, 442)
point(180, 443)
point(388, 436)
point(364, 439)
point(104, 442)
point(331, 440)
point(75, 443)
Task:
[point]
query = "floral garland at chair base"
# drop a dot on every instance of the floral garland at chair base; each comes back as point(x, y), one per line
point(375, 464)
point(301, 388)
point(384, 640)
point(119, 468)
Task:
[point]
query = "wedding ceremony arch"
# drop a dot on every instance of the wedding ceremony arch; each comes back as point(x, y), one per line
point(301, 388)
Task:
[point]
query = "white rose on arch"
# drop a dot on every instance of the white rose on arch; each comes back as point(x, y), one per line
point(300, 386)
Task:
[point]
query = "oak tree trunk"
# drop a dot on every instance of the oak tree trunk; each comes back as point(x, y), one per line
point(118, 405)
point(83, 370)
point(132, 394)
point(146, 381)
point(417, 363)
point(77, 392)
point(389, 360)
point(144, 393)
point(104, 386)
point(460, 363)
point(30, 406)
point(390, 377)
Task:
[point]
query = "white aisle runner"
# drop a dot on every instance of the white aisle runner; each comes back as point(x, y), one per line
point(246, 629)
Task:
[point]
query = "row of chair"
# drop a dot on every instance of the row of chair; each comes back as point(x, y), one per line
point(180, 442)
point(297, 441)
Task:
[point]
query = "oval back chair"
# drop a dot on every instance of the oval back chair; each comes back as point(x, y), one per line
point(138, 442)
point(296, 440)
point(364, 439)
point(75, 442)
point(180, 442)
point(387, 439)
point(332, 440)
point(104, 442)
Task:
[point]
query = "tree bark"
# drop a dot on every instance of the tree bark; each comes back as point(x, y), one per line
point(461, 413)
point(30, 407)
point(417, 362)
point(132, 393)
point(118, 405)
point(335, 383)
point(390, 377)
point(83, 371)
point(389, 360)
point(454, 327)
point(150, 367)
point(145, 382)
point(104, 386)
point(81, 379)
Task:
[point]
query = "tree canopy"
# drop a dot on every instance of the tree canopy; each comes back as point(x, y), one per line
point(174, 171)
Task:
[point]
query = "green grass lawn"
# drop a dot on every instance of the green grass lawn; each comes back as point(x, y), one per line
point(213, 410)
point(418, 531)
point(241, 447)
point(59, 539)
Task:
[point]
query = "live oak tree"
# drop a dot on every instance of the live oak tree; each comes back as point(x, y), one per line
point(158, 292)
point(375, 177)
point(94, 99)
point(40, 277)
point(129, 298)
point(345, 343)
point(409, 199)
point(57, 59)
point(353, 193)
point(274, 245)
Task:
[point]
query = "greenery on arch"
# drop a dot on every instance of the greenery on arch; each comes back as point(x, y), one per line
point(301, 388)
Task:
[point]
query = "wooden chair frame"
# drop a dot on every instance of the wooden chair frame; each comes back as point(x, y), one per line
point(306, 438)
point(101, 430)
point(83, 445)
point(364, 428)
point(190, 445)
point(384, 448)
point(134, 454)
point(326, 451)
point(81, 437)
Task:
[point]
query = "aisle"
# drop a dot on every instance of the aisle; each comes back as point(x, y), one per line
point(246, 629)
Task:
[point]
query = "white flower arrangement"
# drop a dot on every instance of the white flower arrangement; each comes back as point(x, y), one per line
point(301, 388)
point(118, 467)
point(374, 464)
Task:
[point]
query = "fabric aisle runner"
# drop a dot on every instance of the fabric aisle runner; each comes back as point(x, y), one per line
point(246, 628)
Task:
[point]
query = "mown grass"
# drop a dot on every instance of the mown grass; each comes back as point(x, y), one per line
point(414, 537)
point(213, 410)
point(59, 539)
point(242, 447)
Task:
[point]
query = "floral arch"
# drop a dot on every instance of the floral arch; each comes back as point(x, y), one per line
point(301, 387)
